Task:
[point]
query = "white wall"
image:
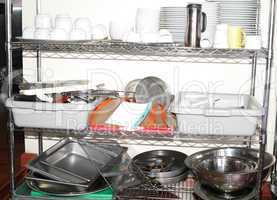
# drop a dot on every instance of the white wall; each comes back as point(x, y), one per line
point(116, 74)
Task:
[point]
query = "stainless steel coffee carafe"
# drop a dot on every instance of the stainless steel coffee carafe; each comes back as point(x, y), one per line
point(196, 23)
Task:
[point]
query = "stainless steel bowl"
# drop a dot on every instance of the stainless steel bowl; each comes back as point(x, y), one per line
point(228, 170)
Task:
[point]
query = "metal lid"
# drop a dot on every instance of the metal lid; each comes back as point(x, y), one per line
point(194, 5)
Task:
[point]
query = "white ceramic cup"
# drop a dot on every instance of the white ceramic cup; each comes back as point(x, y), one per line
point(221, 36)
point(147, 20)
point(42, 34)
point(28, 33)
point(85, 24)
point(59, 34)
point(253, 42)
point(99, 32)
point(79, 34)
point(64, 22)
point(43, 21)
point(118, 29)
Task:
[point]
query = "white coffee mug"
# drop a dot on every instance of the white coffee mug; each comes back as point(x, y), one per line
point(42, 34)
point(63, 22)
point(147, 20)
point(221, 36)
point(43, 21)
point(253, 42)
point(118, 29)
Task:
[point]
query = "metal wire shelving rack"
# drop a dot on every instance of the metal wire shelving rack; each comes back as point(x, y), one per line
point(107, 50)
point(175, 139)
point(114, 50)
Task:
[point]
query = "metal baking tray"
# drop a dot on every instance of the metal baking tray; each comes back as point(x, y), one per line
point(75, 161)
point(54, 188)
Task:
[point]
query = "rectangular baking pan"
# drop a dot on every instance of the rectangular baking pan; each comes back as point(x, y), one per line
point(75, 161)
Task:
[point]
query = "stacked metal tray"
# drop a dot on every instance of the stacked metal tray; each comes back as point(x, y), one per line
point(75, 167)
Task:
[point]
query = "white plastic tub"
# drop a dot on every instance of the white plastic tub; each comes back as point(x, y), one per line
point(50, 115)
point(216, 114)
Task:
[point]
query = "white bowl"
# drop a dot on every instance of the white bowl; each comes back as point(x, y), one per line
point(59, 34)
point(43, 21)
point(64, 22)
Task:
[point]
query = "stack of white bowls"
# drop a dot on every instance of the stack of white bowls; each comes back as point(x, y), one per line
point(212, 10)
point(43, 27)
point(174, 19)
point(63, 28)
point(147, 28)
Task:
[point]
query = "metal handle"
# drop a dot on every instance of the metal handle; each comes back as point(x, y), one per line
point(204, 22)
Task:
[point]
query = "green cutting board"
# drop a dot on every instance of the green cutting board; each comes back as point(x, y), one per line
point(102, 195)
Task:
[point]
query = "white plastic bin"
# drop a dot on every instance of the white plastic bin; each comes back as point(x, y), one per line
point(217, 114)
point(51, 115)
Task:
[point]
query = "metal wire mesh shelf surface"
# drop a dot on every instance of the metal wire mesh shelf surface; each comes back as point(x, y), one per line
point(110, 50)
point(177, 139)
point(181, 191)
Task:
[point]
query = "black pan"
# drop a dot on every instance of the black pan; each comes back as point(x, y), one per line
point(161, 163)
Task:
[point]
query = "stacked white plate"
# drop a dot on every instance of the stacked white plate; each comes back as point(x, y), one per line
point(212, 10)
point(240, 13)
point(175, 20)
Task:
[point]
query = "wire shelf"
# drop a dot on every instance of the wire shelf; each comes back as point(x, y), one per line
point(181, 191)
point(177, 139)
point(110, 50)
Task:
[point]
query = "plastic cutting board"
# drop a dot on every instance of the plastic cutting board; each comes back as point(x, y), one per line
point(103, 195)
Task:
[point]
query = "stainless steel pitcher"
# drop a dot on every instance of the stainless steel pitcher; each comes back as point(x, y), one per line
point(197, 23)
